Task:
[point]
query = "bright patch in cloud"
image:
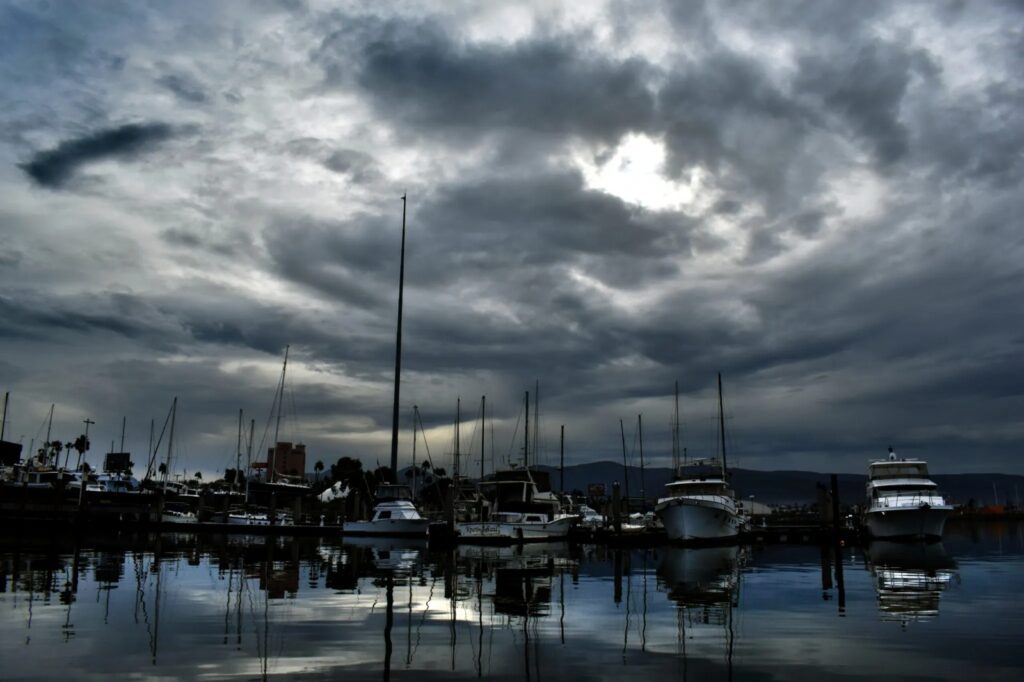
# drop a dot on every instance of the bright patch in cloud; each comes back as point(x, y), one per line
point(634, 174)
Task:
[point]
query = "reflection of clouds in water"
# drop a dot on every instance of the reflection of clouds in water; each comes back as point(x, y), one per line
point(327, 612)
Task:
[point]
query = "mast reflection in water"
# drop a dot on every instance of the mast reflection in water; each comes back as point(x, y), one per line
point(182, 606)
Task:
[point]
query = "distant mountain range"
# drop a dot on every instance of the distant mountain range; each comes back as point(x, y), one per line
point(790, 487)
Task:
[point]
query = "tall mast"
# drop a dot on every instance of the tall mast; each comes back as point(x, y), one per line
point(643, 492)
point(149, 450)
point(458, 416)
point(536, 421)
point(170, 440)
point(526, 434)
point(483, 423)
point(238, 447)
point(561, 459)
point(3, 423)
point(721, 422)
point(415, 471)
point(277, 426)
point(49, 426)
point(248, 457)
point(675, 435)
point(625, 468)
point(398, 354)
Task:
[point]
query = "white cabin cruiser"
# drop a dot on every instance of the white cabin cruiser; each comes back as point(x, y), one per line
point(394, 515)
point(700, 504)
point(902, 501)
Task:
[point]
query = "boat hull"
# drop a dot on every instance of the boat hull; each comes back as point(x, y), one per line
point(689, 520)
point(908, 522)
point(386, 528)
point(504, 531)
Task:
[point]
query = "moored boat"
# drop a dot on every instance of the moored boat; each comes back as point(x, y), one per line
point(902, 502)
point(701, 505)
point(394, 515)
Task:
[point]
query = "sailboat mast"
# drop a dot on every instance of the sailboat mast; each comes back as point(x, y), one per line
point(149, 450)
point(49, 426)
point(238, 447)
point(526, 434)
point(170, 440)
point(398, 354)
point(643, 485)
point(625, 468)
point(675, 434)
point(415, 471)
point(483, 424)
point(458, 416)
point(277, 426)
point(721, 422)
point(124, 423)
point(536, 421)
point(3, 423)
point(561, 459)
point(248, 457)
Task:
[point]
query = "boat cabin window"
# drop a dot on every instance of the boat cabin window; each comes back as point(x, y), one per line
point(883, 470)
point(534, 518)
point(908, 488)
point(384, 515)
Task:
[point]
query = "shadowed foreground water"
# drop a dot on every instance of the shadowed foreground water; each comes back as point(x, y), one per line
point(184, 606)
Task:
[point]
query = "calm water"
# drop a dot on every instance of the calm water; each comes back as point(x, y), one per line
point(181, 606)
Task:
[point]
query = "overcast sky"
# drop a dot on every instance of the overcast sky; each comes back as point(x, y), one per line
point(821, 200)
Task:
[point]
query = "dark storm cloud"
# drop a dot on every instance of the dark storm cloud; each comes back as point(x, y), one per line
point(184, 87)
point(420, 74)
point(531, 223)
point(340, 260)
point(358, 166)
point(54, 167)
point(31, 315)
point(865, 87)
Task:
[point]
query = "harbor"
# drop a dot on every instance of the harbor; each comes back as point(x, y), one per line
point(521, 340)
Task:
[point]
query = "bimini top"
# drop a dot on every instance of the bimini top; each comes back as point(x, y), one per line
point(897, 468)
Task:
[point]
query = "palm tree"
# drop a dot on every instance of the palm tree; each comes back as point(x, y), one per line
point(317, 468)
point(199, 475)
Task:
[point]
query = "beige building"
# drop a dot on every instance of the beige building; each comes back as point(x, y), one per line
point(287, 459)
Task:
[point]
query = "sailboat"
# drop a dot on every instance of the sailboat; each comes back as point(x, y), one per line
point(523, 506)
point(285, 467)
point(701, 505)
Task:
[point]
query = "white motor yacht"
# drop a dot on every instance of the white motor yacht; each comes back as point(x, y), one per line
point(394, 515)
point(902, 501)
point(700, 505)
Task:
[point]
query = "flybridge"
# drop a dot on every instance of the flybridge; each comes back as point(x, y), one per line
point(903, 468)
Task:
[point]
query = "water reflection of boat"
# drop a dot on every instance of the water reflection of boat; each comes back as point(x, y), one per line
point(396, 555)
point(701, 576)
point(704, 584)
point(910, 578)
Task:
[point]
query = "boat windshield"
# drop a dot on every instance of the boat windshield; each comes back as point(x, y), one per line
point(898, 469)
point(701, 488)
point(394, 492)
